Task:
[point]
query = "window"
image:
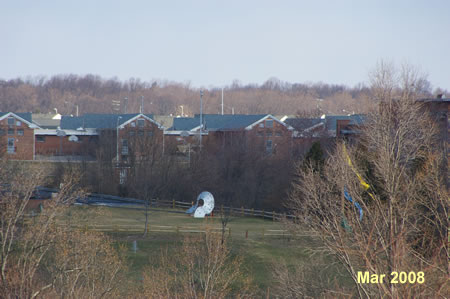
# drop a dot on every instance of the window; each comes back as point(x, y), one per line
point(10, 121)
point(2, 132)
point(269, 123)
point(133, 124)
point(11, 148)
point(261, 125)
point(269, 133)
point(124, 147)
point(10, 131)
point(260, 133)
point(122, 176)
point(18, 123)
point(269, 146)
point(278, 134)
point(20, 132)
point(40, 138)
point(150, 133)
point(131, 133)
point(141, 123)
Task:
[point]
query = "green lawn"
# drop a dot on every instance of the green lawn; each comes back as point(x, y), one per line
point(268, 241)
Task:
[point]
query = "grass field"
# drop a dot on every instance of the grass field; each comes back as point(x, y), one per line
point(261, 242)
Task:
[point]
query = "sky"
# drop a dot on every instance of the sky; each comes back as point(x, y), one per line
point(212, 43)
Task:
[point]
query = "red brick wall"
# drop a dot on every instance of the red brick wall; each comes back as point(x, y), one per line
point(254, 139)
point(341, 124)
point(140, 143)
point(51, 145)
point(280, 136)
point(23, 144)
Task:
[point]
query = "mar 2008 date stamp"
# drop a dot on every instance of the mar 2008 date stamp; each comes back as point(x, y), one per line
point(394, 277)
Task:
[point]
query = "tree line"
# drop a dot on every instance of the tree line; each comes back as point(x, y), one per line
point(94, 94)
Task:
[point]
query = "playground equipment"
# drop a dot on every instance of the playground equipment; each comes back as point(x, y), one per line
point(203, 206)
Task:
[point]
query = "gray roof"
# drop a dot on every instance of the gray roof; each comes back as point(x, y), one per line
point(46, 121)
point(302, 124)
point(355, 119)
point(330, 121)
point(165, 121)
point(216, 122)
point(96, 121)
point(184, 123)
point(25, 115)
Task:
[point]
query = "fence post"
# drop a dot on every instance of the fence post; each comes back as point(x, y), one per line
point(221, 210)
point(229, 232)
point(246, 234)
point(263, 214)
point(273, 215)
point(173, 203)
point(253, 212)
point(242, 209)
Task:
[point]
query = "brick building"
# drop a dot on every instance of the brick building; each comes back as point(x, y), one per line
point(17, 136)
point(256, 132)
point(113, 137)
point(323, 130)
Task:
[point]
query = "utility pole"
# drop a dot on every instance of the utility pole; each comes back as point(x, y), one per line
point(222, 100)
point(117, 140)
point(125, 106)
point(201, 118)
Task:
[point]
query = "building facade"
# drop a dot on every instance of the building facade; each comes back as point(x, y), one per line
point(17, 136)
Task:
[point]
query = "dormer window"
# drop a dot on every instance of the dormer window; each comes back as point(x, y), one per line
point(141, 123)
point(133, 124)
point(18, 123)
point(269, 123)
point(10, 121)
point(261, 125)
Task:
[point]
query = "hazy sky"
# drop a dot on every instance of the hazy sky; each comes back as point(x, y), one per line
point(211, 43)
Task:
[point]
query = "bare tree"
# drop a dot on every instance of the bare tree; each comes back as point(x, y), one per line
point(41, 255)
point(381, 206)
point(203, 268)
